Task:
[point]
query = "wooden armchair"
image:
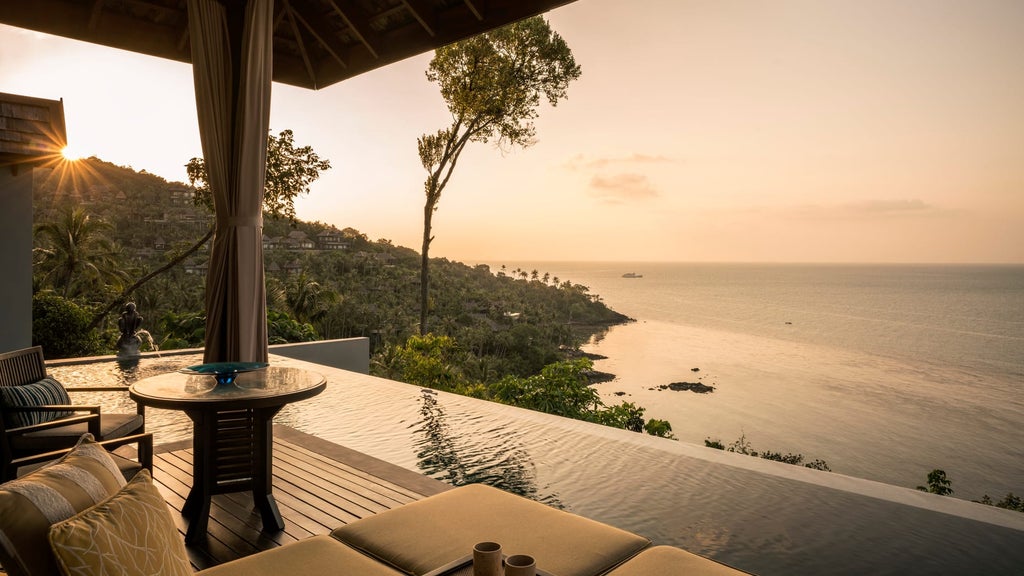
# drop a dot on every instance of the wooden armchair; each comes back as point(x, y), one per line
point(32, 428)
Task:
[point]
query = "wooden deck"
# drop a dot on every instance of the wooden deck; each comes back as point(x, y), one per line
point(318, 486)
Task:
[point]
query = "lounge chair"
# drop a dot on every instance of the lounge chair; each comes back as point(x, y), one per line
point(37, 416)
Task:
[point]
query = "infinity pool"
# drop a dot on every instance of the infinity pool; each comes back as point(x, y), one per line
point(764, 517)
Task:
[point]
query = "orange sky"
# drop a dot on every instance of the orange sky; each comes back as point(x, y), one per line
point(719, 130)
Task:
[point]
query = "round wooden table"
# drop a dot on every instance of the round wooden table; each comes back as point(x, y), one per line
point(232, 443)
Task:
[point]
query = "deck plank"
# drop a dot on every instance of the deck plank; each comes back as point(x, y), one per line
point(318, 486)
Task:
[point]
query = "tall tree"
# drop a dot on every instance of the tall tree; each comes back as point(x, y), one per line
point(290, 172)
point(76, 256)
point(492, 84)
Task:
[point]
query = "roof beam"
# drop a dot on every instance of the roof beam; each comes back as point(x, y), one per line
point(115, 29)
point(183, 40)
point(165, 11)
point(360, 28)
point(423, 12)
point(317, 29)
point(472, 8)
point(94, 18)
point(299, 42)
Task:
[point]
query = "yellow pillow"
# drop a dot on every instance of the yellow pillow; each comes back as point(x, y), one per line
point(130, 534)
point(84, 477)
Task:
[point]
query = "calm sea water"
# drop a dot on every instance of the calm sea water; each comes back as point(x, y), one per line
point(884, 371)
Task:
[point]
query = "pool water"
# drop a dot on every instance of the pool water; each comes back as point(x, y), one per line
point(763, 517)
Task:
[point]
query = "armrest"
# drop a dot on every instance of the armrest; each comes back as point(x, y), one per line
point(96, 388)
point(91, 408)
point(139, 408)
point(145, 451)
point(145, 447)
point(92, 419)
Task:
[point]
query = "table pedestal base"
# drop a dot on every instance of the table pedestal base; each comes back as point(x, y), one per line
point(232, 452)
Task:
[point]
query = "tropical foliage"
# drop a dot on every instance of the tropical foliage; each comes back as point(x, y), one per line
point(560, 388)
point(743, 446)
point(939, 483)
point(290, 171)
point(505, 324)
point(1009, 502)
point(75, 256)
point(61, 327)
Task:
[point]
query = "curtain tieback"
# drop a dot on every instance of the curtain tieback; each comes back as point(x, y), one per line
point(243, 221)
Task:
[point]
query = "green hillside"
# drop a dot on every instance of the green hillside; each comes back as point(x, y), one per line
point(322, 282)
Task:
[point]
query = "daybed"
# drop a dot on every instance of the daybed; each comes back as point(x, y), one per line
point(81, 516)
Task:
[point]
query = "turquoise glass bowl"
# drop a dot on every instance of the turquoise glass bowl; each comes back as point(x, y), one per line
point(224, 372)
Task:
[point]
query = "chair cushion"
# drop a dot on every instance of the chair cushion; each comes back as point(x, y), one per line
point(424, 535)
point(111, 426)
point(29, 505)
point(316, 555)
point(41, 393)
point(129, 534)
point(670, 561)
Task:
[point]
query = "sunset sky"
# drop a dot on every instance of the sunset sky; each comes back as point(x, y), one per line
point(715, 130)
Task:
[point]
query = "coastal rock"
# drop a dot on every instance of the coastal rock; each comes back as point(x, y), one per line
point(691, 386)
point(597, 377)
point(577, 353)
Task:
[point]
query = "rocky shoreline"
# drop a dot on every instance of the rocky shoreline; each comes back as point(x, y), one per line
point(598, 377)
point(697, 387)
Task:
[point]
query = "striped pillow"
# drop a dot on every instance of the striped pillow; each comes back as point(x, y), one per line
point(41, 393)
point(29, 505)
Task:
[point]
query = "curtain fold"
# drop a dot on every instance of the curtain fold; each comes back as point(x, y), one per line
point(232, 66)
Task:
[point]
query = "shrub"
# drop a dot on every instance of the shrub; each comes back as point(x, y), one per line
point(61, 327)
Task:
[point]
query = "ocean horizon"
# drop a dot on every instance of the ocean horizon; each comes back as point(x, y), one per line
point(884, 371)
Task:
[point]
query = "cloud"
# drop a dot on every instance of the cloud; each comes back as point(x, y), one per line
point(889, 207)
point(581, 162)
point(619, 188)
point(868, 209)
point(608, 180)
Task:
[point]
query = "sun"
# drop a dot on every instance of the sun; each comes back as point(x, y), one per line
point(70, 154)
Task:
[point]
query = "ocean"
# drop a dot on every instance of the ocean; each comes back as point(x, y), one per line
point(885, 372)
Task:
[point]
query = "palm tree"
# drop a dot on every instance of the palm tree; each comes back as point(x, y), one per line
point(308, 299)
point(76, 256)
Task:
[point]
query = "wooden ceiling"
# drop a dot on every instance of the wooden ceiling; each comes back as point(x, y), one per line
point(316, 42)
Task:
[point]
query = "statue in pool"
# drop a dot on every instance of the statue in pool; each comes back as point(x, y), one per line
point(129, 324)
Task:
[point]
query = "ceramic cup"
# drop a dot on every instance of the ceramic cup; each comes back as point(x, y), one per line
point(520, 565)
point(487, 559)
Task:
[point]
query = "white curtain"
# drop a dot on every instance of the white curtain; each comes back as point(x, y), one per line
point(232, 65)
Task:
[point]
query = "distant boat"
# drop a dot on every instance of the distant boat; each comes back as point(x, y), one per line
point(632, 275)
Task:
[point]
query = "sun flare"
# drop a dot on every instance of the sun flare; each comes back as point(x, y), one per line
point(70, 154)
